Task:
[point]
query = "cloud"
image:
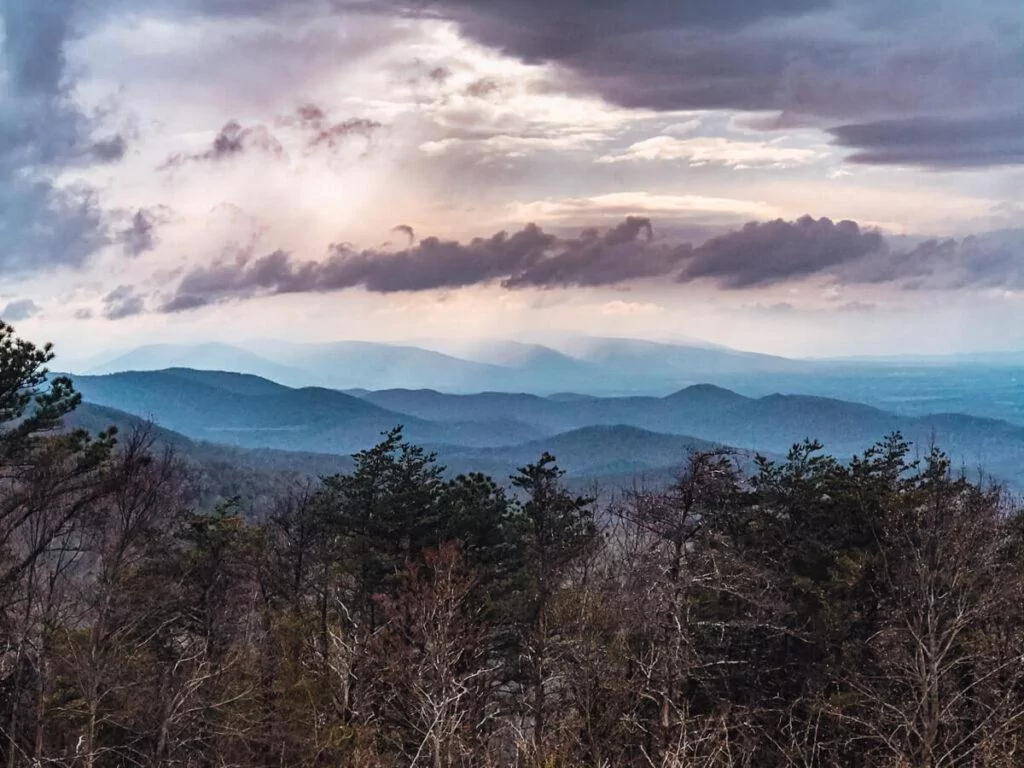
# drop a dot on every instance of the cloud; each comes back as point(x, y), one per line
point(140, 235)
point(856, 307)
point(321, 132)
point(774, 308)
point(936, 142)
point(988, 260)
point(122, 302)
point(21, 309)
point(311, 121)
point(625, 252)
point(809, 61)
point(777, 251)
point(529, 257)
point(406, 230)
point(515, 145)
point(110, 149)
point(538, 29)
point(485, 88)
point(44, 222)
point(756, 255)
point(714, 150)
point(231, 141)
point(619, 308)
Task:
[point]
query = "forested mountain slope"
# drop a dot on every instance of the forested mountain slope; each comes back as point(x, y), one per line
point(252, 412)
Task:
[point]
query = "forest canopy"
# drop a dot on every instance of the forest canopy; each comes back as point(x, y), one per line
point(809, 611)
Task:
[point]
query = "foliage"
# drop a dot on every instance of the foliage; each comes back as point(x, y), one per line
point(813, 613)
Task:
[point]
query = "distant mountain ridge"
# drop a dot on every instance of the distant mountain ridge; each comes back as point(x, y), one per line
point(250, 412)
point(986, 385)
point(587, 366)
point(210, 356)
point(244, 410)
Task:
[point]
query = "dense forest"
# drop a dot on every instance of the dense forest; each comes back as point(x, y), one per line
point(805, 612)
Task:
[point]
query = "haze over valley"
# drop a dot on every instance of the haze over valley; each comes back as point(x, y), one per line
point(616, 409)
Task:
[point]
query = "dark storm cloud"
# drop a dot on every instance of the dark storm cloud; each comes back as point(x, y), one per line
point(869, 70)
point(43, 224)
point(814, 62)
point(539, 29)
point(123, 302)
point(21, 309)
point(756, 255)
point(432, 264)
point(625, 252)
point(936, 142)
point(762, 253)
point(529, 257)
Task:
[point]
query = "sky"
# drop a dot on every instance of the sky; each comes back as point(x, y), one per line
point(800, 177)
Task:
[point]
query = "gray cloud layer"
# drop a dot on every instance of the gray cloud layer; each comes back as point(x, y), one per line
point(944, 71)
point(527, 257)
point(38, 130)
point(769, 252)
point(41, 131)
point(123, 302)
point(936, 142)
point(758, 254)
point(989, 260)
point(21, 309)
point(949, 71)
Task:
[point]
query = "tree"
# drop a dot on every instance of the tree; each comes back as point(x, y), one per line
point(677, 574)
point(48, 479)
point(556, 529)
point(382, 514)
point(435, 662)
point(944, 688)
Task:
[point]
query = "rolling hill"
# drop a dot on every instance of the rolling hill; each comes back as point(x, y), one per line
point(589, 452)
point(217, 472)
point(249, 412)
point(608, 456)
point(211, 407)
point(989, 386)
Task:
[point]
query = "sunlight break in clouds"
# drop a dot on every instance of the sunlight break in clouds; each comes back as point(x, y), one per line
point(715, 150)
point(654, 205)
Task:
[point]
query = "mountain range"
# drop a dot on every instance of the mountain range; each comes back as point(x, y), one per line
point(990, 386)
point(495, 432)
point(589, 365)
